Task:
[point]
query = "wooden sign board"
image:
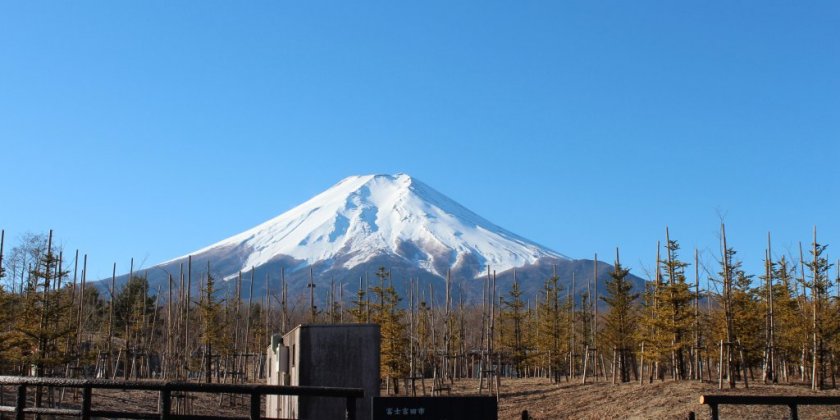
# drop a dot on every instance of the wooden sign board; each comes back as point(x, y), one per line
point(435, 408)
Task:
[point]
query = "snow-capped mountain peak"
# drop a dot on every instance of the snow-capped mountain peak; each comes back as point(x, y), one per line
point(363, 217)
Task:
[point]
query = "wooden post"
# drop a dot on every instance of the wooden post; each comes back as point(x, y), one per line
point(111, 320)
point(127, 335)
point(642, 364)
point(595, 319)
point(801, 302)
point(2, 242)
point(165, 402)
point(446, 326)
point(248, 325)
point(495, 371)
point(350, 410)
point(267, 308)
point(80, 327)
point(411, 336)
point(208, 348)
point(714, 410)
point(187, 302)
point(697, 369)
point(179, 344)
point(613, 365)
point(769, 364)
point(573, 299)
point(720, 367)
point(75, 272)
point(743, 364)
point(727, 301)
point(255, 406)
point(367, 298)
point(237, 337)
point(20, 402)
point(86, 397)
point(816, 364)
point(284, 316)
point(311, 286)
point(167, 361)
point(585, 360)
point(484, 328)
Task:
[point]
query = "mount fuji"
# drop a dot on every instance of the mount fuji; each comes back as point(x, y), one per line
point(365, 222)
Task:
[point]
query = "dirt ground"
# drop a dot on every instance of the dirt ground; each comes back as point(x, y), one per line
point(542, 399)
point(659, 400)
point(136, 401)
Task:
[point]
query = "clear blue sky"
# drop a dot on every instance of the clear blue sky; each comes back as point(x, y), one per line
point(149, 129)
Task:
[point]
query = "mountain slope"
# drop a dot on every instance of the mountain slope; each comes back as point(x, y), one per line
point(363, 217)
point(345, 233)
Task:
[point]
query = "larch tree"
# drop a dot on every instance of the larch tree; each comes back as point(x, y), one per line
point(358, 309)
point(748, 321)
point(822, 329)
point(551, 327)
point(791, 331)
point(132, 307)
point(647, 335)
point(513, 322)
point(621, 319)
point(5, 310)
point(584, 328)
point(425, 350)
point(43, 323)
point(674, 317)
point(7, 305)
point(727, 277)
point(390, 317)
point(656, 318)
point(209, 309)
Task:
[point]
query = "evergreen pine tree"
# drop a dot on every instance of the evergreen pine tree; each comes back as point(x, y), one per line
point(620, 322)
point(791, 330)
point(551, 326)
point(513, 318)
point(358, 310)
point(748, 319)
point(822, 329)
point(43, 323)
point(209, 309)
point(386, 313)
point(675, 315)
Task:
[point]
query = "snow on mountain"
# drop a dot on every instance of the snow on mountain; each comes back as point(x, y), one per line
point(363, 217)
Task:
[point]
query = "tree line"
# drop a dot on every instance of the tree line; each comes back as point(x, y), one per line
point(688, 322)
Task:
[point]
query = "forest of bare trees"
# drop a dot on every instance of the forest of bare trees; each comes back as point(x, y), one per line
point(690, 322)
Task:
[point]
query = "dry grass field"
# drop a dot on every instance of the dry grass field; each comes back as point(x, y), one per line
point(659, 400)
point(543, 400)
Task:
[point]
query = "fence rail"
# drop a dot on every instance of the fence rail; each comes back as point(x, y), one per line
point(713, 401)
point(165, 389)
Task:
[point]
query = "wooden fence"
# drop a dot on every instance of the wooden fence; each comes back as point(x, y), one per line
point(165, 389)
point(713, 401)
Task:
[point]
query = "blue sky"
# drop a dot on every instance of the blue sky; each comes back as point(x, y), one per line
point(151, 129)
